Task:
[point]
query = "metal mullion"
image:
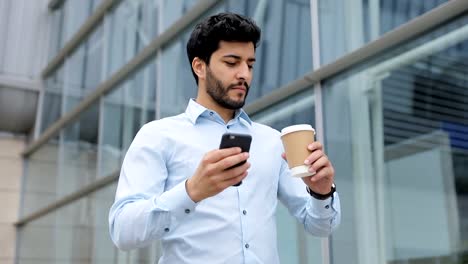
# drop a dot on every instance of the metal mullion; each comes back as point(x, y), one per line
point(318, 104)
point(157, 106)
point(40, 105)
point(104, 69)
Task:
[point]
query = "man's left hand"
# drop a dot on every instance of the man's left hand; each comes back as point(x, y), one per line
point(323, 178)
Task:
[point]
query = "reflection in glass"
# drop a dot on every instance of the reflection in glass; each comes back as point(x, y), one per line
point(78, 152)
point(398, 129)
point(75, 14)
point(52, 99)
point(174, 10)
point(297, 109)
point(294, 244)
point(56, 39)
point(285, 49)
point(40, 179)
point(133, 24)
point(346, 26)
point(78, 233)
point(177, 82)
point(83, 70)
point(125, 110)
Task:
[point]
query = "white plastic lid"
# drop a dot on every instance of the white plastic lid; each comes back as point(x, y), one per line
point(295, 128)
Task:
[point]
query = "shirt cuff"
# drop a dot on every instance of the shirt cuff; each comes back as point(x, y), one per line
point(321, 208)
point(176, 201)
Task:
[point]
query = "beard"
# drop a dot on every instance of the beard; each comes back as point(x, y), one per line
point(219, 93)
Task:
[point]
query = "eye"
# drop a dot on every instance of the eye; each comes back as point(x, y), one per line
point(250, 66)
point(231, 64)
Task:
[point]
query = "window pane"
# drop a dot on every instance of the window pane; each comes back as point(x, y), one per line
point(78, 233)
point(396, 130)
point(285, 49)
point(125, 110)
point(83, 70)
point(61, 167)
point(75, 14)
point(133, 25)
point(52, 99)
point(346, 26)
point(78, 152)
point(40, 179)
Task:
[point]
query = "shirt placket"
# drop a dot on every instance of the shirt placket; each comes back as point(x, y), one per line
point(243, 212)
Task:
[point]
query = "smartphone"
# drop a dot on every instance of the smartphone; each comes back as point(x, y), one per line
point(229, 140)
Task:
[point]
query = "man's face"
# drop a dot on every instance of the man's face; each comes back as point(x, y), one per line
point(229, 73)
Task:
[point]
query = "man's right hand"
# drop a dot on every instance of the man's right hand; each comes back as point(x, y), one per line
point(211, 176)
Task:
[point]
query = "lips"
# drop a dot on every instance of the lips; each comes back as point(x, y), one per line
point(240, 87)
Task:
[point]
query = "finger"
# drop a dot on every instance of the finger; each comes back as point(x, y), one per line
point(323, 174)
point(231, 161)
point(313, 157)
point(236, 179)
point(232, 173)
point(283, 155)
point(314, 146)
point(320, 163)
point(219, 154)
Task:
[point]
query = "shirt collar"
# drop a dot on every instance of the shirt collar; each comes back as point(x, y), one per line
point(194, 110)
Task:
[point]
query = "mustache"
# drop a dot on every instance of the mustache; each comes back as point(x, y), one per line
point(239, 83)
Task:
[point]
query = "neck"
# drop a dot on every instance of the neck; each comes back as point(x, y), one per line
point(206, 101)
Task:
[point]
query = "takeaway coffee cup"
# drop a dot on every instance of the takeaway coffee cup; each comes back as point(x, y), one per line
point(295, 140)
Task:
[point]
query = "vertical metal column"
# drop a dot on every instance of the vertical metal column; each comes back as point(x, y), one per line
point(157, 107)
point(319, 127)
point(106, 45)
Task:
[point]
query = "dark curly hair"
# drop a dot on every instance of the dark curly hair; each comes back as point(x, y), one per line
point(207, 34)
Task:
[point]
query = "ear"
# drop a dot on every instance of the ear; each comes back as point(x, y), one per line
point(199, 67)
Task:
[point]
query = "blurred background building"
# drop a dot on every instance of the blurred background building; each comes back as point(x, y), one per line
point(384, 82)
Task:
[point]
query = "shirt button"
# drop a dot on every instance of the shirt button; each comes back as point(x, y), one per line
point(247, 246)
point(228, 127)
point(244, 212)
point(211, 113)
point(327, 206)
point(187, 211)
point(166, 229)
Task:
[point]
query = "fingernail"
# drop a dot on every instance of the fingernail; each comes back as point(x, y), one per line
point(307, 162)
point(246, 154)
point(311, 169)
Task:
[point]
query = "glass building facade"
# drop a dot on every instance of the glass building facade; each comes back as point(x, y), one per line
point(384, 82)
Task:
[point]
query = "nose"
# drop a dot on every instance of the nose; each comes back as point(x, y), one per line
point(244, 72)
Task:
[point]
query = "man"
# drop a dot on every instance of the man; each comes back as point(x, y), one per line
point(175, 185)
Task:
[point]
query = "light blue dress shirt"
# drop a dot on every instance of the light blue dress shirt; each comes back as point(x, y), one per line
point(235, 226)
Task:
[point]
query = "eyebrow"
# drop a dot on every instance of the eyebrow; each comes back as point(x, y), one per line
point(237, 57)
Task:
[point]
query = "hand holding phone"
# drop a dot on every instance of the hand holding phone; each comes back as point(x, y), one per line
point(229, 140)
